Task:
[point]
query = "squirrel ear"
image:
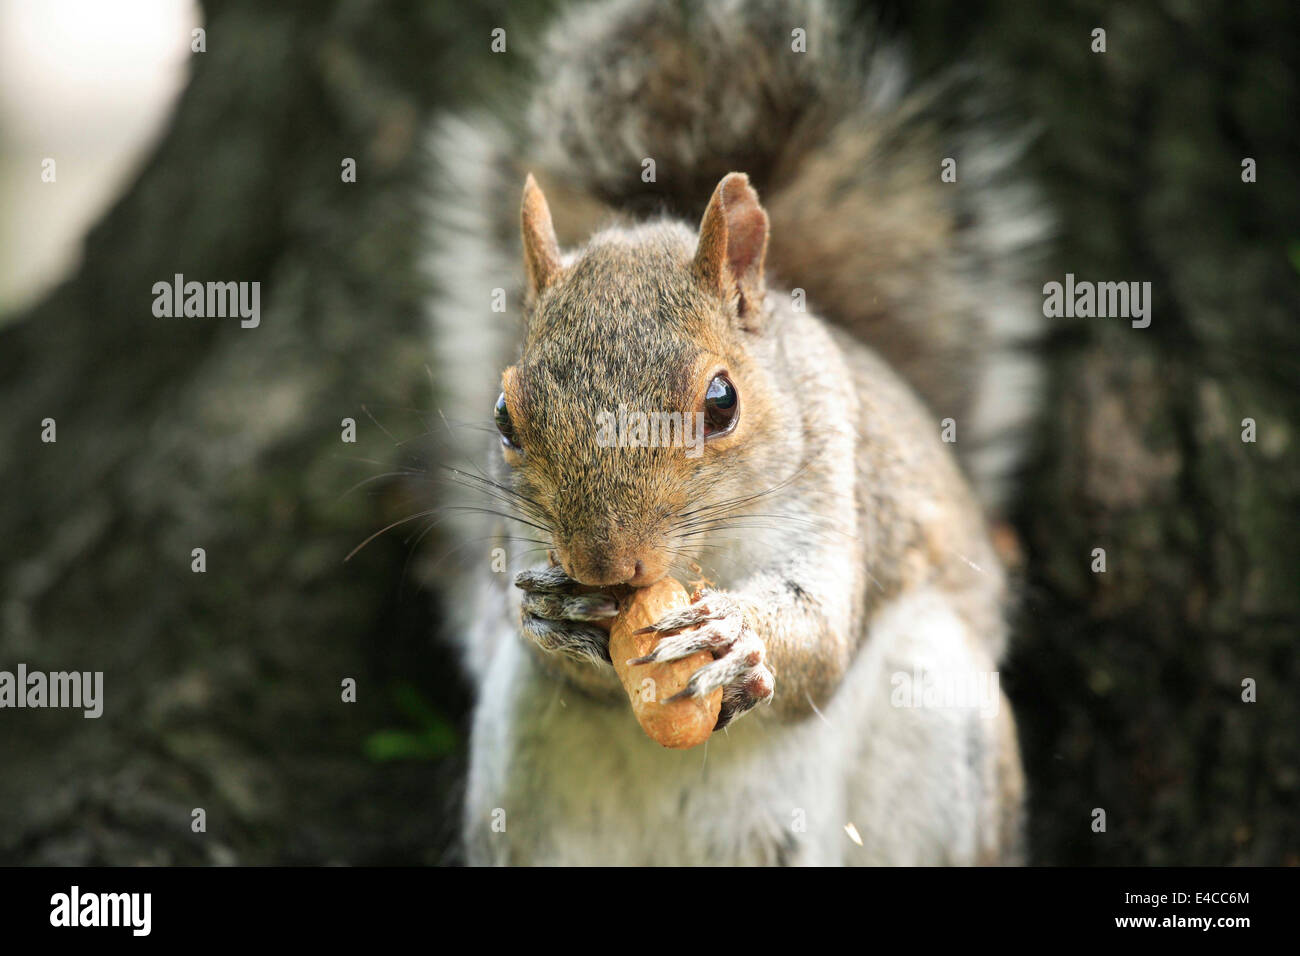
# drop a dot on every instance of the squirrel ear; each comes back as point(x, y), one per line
point(733, 242)
point(541, 248)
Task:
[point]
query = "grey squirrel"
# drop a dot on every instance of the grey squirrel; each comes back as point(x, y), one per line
point(735, 211)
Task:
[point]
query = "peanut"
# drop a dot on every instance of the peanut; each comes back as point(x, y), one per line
point(679, 724)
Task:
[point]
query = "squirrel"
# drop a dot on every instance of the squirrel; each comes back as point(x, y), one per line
point(735, 212)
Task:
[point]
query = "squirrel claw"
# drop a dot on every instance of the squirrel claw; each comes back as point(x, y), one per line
point(559, 616)
point(710, 606)
point(716, 623)
point(756, 689)
point(717, 636)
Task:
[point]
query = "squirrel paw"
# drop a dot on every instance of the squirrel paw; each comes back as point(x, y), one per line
point(715, 622)
point(558, 617)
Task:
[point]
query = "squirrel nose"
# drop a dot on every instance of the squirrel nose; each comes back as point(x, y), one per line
point(600, 567)
point(643, 576)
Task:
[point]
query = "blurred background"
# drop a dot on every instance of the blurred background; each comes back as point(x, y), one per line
point(223, 688)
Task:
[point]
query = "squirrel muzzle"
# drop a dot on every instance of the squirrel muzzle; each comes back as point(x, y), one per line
point(603, 564)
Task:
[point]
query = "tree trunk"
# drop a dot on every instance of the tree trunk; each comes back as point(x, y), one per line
point(223, 688)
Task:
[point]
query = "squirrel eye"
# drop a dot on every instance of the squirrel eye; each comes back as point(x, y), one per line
point(720, 407)
point(505, 426)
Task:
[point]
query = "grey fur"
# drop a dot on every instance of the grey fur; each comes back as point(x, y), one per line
point(930, 275)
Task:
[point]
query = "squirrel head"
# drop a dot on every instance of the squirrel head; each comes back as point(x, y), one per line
point(642, 387)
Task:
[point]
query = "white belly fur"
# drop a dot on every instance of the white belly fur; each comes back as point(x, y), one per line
point(579, 783)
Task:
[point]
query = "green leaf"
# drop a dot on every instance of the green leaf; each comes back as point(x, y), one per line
point(387, 745)
point(432, 737)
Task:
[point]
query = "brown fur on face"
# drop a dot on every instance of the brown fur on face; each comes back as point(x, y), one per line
point(641, 320)
point(637, 334)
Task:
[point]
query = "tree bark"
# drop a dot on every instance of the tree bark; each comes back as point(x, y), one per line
point(224, 688)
